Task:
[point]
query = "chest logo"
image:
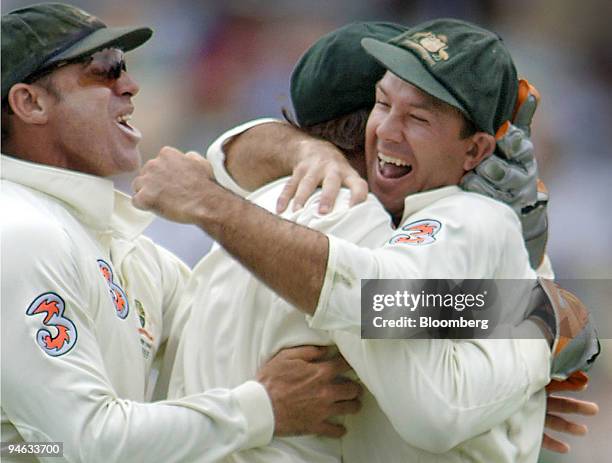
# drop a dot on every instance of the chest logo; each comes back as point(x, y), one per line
point(62, 335)
point(418, 233)
point(118, 296)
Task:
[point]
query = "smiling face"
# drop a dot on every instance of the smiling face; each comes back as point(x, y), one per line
point(414, 143)
point(88, 120)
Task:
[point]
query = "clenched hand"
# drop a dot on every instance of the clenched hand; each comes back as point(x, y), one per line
point(173, 185)
point(307, 390)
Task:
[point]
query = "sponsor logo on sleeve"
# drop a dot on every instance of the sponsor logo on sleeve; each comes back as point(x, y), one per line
point(61, 335)
point(146, 338)
point(118, 296)
point(417, 233)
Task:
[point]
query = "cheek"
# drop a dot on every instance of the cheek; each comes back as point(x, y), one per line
point(370, 129)
point(83, 127)
point(370, 137)
point(448, 168)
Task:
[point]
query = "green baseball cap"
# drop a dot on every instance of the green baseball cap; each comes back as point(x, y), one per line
point(38, 36)
point(335, 76)
point(457, 62)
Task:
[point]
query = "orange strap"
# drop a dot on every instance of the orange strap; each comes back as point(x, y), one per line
point(576, 382)
point(524, 90)
point(542, 188)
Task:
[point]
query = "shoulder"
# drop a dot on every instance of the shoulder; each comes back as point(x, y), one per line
point(267, 195)
point(370, 211)
point(366, 223)
point(478, 205)
point(160, 264)
point(468, 220)
point(38, 236)
point(31, 218)
point(476, 213)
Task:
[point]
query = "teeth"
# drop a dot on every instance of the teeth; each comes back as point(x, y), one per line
point(382, 159)
point(124, 119)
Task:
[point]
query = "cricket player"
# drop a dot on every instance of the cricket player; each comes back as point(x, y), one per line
point(87, 302)
point(399, 438)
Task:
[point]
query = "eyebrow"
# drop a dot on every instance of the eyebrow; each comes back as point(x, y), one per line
point(428, 103)
point(379, 87)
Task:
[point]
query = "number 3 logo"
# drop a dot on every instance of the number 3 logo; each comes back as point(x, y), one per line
point(65, 337)
point(418, 233)
point(117, 294)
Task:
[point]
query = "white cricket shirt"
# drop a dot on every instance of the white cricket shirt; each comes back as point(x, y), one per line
point(430, 400)
point(86, 304)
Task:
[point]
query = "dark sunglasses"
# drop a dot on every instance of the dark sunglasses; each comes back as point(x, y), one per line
point(104, 67)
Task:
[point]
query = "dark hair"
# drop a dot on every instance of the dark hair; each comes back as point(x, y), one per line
point(468, 129)
point(6, 112)
point(347, 132)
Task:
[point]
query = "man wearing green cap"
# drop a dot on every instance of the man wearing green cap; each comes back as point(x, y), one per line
point(329, 92)
point(86, 301)
point(319, 274)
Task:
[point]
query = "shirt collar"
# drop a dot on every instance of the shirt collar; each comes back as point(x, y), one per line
point(93, 199)
point(415, 202)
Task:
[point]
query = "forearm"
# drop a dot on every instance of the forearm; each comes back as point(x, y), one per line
point(262, 153)
point(101, 427)
point(288, 258)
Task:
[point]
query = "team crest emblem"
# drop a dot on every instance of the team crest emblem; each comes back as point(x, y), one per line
point(429, 46)
point(118, 296)
point(141, 313)
point(146, 339)
point(63, 334)
point(418, 233)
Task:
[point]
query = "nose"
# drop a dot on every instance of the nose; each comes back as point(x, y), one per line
point(126, 85)
point(390, 128)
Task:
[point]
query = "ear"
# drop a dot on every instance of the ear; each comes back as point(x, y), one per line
point(481, 146)
point(30, 103)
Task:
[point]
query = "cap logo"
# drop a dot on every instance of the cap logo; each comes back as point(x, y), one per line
point(430, 47)
point(84, 16)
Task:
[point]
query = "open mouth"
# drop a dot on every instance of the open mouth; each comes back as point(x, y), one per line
point(123, 123)
point(390, 167)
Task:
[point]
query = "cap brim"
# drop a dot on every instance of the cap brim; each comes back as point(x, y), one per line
point(125, 38)
point(408, 67)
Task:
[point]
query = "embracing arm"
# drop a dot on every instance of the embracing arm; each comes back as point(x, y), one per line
point(111, 424)
point(289, 258)
point(310, 269)
point(258, 152)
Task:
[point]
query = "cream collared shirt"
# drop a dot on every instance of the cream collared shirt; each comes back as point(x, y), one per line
point(86, 304)
point(427, 401)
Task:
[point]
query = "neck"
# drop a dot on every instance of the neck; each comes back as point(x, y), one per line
point(33, 147)
point(397, 218)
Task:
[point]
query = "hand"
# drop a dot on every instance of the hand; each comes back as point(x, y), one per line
point(510, 175)
point(558, 404)
point(173, 185)
point(321, 163)
point(306, 391)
